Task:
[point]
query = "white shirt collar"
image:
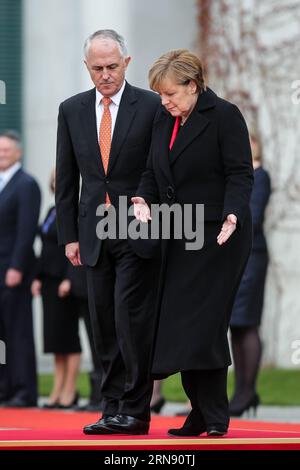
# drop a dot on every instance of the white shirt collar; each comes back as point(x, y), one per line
point(115, 99)
point(7, 174)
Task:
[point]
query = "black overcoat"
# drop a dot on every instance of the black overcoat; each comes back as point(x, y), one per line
point(210, 163)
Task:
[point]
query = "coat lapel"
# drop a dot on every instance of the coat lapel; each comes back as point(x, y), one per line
point(125, 117)
point(163, 134)
point(194, 126)
point(89, 123)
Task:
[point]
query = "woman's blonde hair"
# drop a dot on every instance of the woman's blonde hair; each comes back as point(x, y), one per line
point(255, 136)
point(179, 64)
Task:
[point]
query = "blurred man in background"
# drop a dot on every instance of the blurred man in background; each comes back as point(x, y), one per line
point(19, 212)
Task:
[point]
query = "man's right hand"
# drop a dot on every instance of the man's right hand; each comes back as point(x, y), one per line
point(73, 253)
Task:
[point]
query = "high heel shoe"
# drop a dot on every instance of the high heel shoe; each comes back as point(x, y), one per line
point(157, 406)
point(51, 406)
point(70, 405)
point(237, 409)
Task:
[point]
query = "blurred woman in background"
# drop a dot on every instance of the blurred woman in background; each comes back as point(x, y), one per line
point(60, 320)
point(247, 309)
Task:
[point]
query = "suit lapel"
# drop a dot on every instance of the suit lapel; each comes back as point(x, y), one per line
point(89, 123)
point(125, 117)
point(193, 127)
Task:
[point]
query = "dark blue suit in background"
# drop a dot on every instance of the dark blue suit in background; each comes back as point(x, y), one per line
point(19, 212)
point(247, 309)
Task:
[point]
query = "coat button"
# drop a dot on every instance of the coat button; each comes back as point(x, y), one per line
point(170, 192)
point(107, 181)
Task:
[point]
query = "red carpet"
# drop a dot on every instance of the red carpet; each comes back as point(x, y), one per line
point(43, 429)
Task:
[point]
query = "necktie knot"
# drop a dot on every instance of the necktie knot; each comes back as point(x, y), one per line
point(106, 101)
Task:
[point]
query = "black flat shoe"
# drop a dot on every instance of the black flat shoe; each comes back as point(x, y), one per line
point(193, 426)
point(186, 431)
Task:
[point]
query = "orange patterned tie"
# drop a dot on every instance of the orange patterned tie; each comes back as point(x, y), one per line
point(105, 137)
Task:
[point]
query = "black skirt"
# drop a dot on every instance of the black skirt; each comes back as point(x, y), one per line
point(248, 305)
point(61, 320)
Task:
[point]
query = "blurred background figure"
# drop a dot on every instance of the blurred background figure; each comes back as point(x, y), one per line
point(157, 399)
point(247, 309)
point(60, 322)
point(19, 212)
point(77, 276)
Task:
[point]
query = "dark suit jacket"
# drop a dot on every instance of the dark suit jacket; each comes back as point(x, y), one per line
point(52, 261)
point(19, 211)
point(211, 152)
point(259, 200)
point(78, 152)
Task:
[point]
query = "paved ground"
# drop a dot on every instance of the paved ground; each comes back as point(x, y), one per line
point(283, 414)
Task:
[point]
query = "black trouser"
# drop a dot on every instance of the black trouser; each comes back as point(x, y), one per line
point(207, 391)
point(122, 291)
point(18, 376)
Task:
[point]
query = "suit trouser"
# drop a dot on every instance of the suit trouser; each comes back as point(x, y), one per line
point(207, 391)
point(18, 376)
point(122, 289)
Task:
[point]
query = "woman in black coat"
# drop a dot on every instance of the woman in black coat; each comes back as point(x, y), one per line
point(248, 305)
point(60, 315)
point(200, 154)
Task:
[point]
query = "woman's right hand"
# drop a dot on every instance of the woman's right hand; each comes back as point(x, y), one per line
point(141, 209)
point(36, 287)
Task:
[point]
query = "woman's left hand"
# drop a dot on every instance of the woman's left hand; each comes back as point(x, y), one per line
point(227, 230)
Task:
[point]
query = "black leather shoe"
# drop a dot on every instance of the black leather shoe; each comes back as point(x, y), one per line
point(193, 426)
point(124, 424)
point(99, 427)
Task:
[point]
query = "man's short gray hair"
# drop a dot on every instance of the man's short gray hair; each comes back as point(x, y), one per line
point(12, 135)
point(106, 34)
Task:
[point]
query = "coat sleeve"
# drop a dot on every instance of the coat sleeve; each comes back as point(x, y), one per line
point(237, 162)
point(29, 200)
point(148, 188)
point(66, 184)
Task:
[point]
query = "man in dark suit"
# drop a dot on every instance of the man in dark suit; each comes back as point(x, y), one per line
point(104, 136)
point(19, 212)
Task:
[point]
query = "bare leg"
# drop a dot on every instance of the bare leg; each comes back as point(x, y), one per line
point(69, 388)
point(59, 377)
